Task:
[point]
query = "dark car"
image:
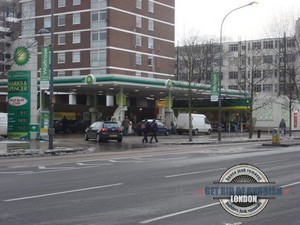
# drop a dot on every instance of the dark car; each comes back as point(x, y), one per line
point(162, 129)
point(72, 126)
point(104, 131)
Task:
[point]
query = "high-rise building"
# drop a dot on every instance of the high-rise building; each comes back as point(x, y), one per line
point(128, 37)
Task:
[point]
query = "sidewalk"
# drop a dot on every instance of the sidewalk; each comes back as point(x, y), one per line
point(74, 143)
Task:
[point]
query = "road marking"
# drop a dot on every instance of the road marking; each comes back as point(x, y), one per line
point(192, 173)
point(157, 160)
point(17, 172)
point(62, 192)
point(178, 213)
point(266, 162)
point(55, 168)
point(289, 185)
point(103, 164)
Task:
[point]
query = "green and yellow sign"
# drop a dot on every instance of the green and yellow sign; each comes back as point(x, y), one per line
point(18, 104)
point(21, 56)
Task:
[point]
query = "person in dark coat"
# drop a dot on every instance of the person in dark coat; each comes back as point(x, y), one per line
point(145, 129)
point(153, 130)
point(282, 127)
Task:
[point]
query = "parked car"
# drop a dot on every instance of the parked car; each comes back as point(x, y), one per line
point(72, 126)
point(162, 129)
point(104, 131)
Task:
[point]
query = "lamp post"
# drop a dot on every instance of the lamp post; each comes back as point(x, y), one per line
point(50, 127)
point(220, 69)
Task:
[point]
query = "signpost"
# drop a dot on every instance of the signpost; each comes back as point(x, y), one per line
point(214, 88)
point(18, 104)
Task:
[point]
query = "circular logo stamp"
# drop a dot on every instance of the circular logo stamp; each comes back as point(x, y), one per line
point(21, 56)
point(242, 200)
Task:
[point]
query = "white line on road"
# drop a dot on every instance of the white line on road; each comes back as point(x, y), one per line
point(62, 192)
point(95, 164)
point(289, 185)
point(17, 172)
point(196, 172)
point(274, 161)
point(54, 168)
point(178, 213)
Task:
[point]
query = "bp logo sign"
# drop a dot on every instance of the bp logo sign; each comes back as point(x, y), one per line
point(90, 79)
point(21, 56)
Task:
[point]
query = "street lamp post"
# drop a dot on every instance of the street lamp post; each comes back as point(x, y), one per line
point(50, 127)
point(220, 69)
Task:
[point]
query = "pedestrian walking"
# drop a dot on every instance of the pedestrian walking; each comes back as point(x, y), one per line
point(126, 124)
point(145, 129)
point(282, 127)
point(153, 130)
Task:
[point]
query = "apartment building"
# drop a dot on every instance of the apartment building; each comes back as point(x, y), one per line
point(128, 37)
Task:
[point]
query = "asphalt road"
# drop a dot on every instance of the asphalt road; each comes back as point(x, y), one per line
point(154, 186)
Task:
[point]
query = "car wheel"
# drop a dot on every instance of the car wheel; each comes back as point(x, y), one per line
point(208, 132)
point(179, 132)
point(86, 137)
point(195, 132)
point(167, 133)
point(119, 140)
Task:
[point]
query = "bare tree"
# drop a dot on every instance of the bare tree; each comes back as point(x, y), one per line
point(194, 68)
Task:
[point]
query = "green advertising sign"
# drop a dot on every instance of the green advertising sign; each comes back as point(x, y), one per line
point(18, 103)
point(45, 75)
point(214, 87)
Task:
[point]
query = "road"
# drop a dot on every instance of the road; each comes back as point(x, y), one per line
point(152, 186)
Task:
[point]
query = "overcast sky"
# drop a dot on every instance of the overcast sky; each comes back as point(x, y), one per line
point(204, 17)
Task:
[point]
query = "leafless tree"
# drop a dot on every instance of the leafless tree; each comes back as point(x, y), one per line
point(194, 68)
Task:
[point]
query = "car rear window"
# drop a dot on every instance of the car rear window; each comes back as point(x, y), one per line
point(111, 125)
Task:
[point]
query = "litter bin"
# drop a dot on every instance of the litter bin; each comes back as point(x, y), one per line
point(275, 136)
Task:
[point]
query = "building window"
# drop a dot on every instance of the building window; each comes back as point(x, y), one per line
point(75, 57)
point(138, 59)
point(61, 58)
point(138, 40)
point(47, 4)
point(267, 73)
point(291, 43)
point(76, 73)
point(99, 19)
point(150, 43)
point(61, 3)
point(233, 75)
point(138, 74)
point(138, 4)
point(256, 74)
point(151, 6)
point(256, 45)
point(28, 9)
point(61, 20)
point(47, 22)
point(150, 25)
point(233, 47)
point(76, 18)
point(233, 87)
point(267, 87)
point(138, 21)
point(268, 59)
point(150, 75)
point(61, 39)
point(76, 38)
point(98, 36)
point(98, 4)
point(268, 45)
point(257, 88)
point(98, 58)
point(76, 2)
point(150, 60)
point(61, 73)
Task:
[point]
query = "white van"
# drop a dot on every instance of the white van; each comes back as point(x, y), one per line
point(200, 124)
point(3, 124)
